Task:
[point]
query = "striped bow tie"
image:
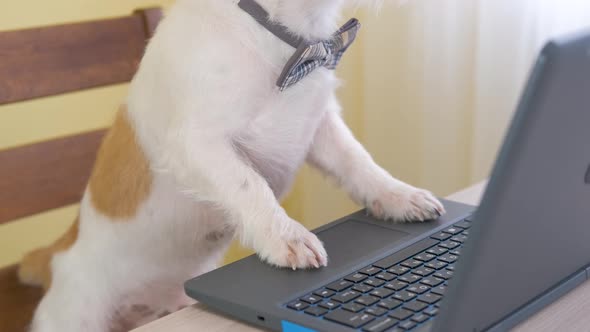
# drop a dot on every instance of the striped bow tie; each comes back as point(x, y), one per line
point(309, 55)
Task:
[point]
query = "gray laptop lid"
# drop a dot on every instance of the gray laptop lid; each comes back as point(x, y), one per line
point(532, 230)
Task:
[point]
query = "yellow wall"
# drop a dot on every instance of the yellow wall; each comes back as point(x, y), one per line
point(29, 122)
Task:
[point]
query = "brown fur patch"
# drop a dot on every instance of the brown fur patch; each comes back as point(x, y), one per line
point(35, 268)
point(121, 179)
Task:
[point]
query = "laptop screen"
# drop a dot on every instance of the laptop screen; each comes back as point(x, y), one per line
point(532, 229)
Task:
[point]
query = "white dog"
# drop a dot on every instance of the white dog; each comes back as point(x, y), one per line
point(203, 150)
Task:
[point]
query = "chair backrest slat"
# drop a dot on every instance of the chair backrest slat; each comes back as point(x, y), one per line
point(52, 60)
point(42, 176)
point(151, 18)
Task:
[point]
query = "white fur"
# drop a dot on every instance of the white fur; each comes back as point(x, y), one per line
point(224, 144)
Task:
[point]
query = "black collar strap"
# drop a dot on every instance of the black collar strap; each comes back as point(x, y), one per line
point(261, 16)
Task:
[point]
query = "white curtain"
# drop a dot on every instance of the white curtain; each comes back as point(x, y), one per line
point(512, 32)
point(442, 79)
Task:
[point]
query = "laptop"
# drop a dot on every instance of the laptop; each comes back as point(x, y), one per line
point(488, 269)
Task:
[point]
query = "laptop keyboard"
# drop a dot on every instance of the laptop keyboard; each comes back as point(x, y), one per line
point(396, 293)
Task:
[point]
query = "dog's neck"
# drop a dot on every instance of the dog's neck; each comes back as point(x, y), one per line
point(309, 19)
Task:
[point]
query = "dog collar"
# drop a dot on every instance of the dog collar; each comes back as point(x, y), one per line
point(309, 55)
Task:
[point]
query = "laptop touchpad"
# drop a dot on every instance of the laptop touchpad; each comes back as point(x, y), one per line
point(352, 240)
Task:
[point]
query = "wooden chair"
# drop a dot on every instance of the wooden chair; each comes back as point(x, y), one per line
point(38, 177)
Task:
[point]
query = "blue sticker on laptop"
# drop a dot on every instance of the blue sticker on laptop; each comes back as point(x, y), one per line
point(291, 327)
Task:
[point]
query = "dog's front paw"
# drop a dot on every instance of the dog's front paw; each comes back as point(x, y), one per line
point(406, 203)
point(296, 248)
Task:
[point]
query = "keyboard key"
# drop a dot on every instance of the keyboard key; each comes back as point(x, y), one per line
point(444, 274)
point(410, 251)
point(463, 224)
point(409, 278)
point(451, 267)
point(420, 318)
point(431, 311)
point(399, 270)
point(425, 257)
point(316, 311)
point(401, 314)
point(453, 230)
point(436, 265)
point(350, 319)
point(330, 305)
point(396, 285)
point(367, 300)
point(407, 325)
point(448, 258)
point(387, 262)
point(440, 290)
point(432, 282)
point(437, 251)
point(324, 293)
point(346, 296)
point(311, 299)
point(385, 276)
point(455, 252)
point(415, 306)
point(466, 233)
point(339, 285)
point(353, 307)
point(423, 271)
point(441, 236)
point(362, 288)
point(356, 277)
point(297, 305)
point(381, 325)
point(411, 263)
point(370, 270)
point(374, 282)
point(376, 311)
point(418, 289)
point(404, 296)
point(382, 292)
point(396, 329)
point(450, 245)
point(459, 238)
point(429, 298)
point(389, 304)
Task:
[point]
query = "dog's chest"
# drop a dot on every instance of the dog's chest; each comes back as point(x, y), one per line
point(277, 140)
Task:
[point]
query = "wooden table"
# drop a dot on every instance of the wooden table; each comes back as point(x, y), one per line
point(570, 313)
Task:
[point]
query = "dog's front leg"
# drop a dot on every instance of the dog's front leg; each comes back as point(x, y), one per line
point(218, 173)
point(338, 154)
